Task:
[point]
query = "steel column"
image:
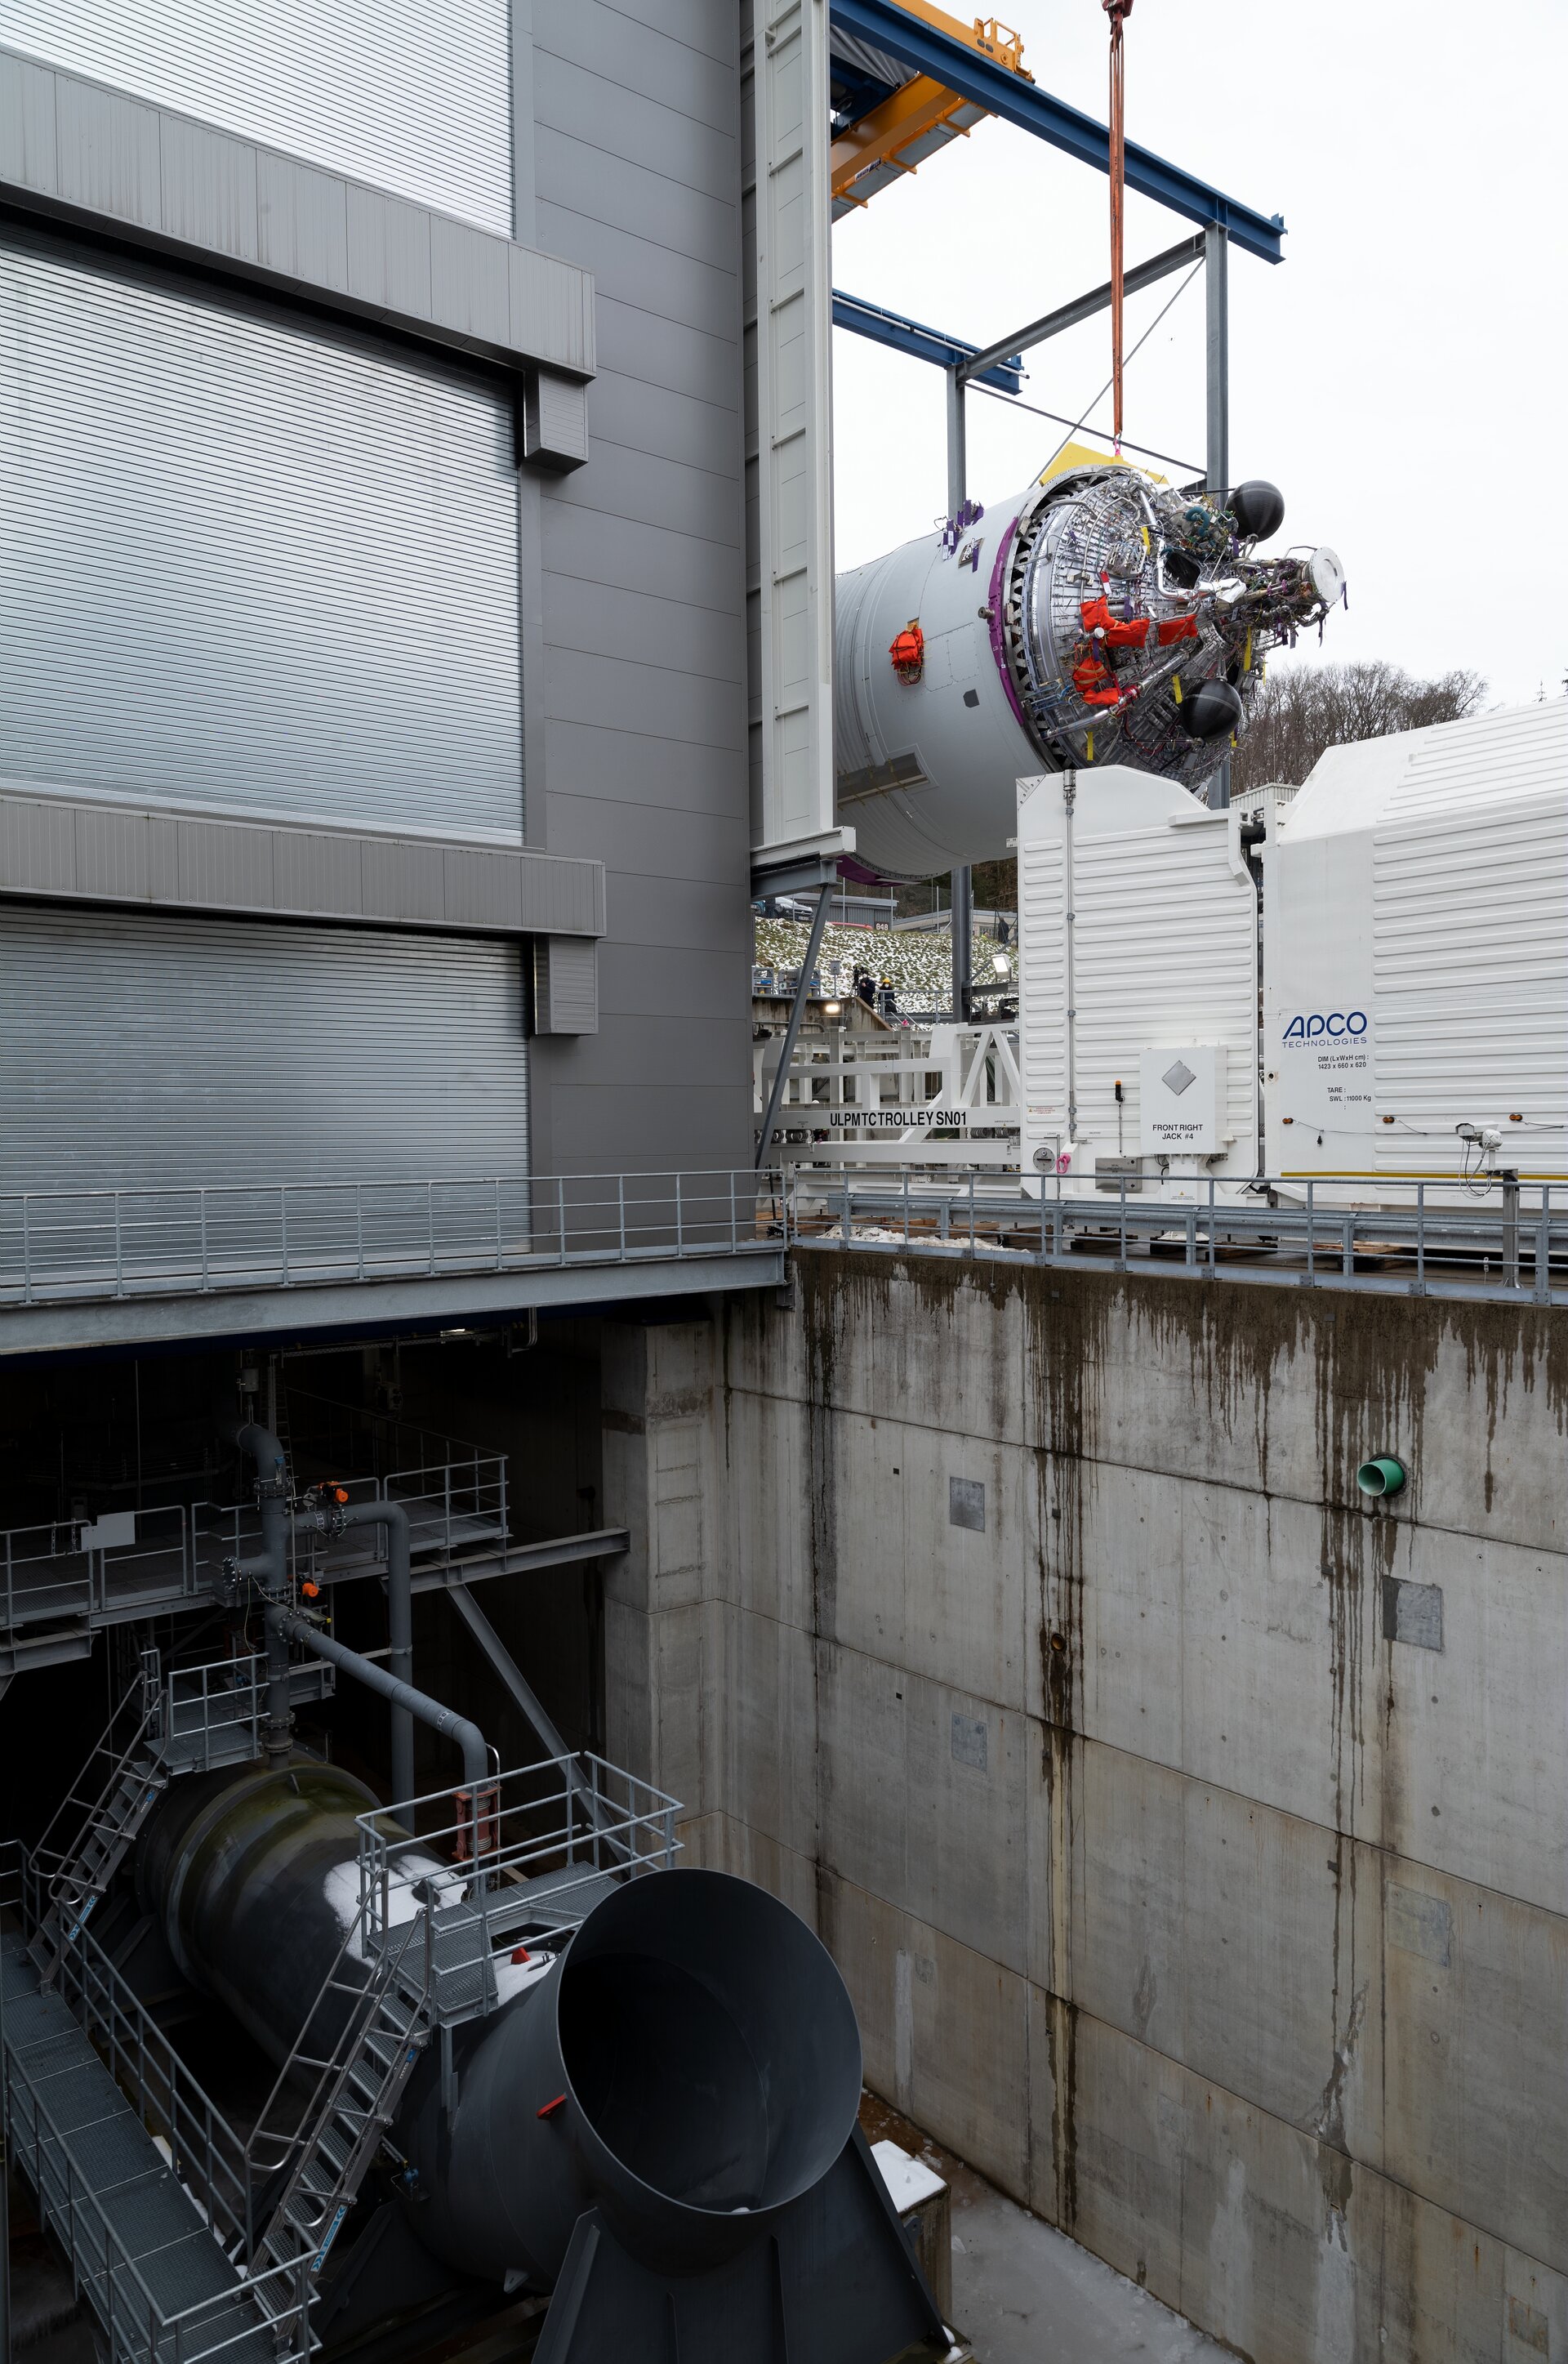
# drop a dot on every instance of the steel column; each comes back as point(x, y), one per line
point(958, 458)
point(962, 944)
point(963, 878)
point(1216, 449)
point(1217, 297)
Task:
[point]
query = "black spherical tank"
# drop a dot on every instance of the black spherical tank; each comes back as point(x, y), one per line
point(1213, 710)
point(1258, 509)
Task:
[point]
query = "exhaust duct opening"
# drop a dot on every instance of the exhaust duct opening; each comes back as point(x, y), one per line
point(709, 2043)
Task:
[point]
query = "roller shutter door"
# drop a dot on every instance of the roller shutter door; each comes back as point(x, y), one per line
point(410, 98)
point(142, 1053)
point(248, 561)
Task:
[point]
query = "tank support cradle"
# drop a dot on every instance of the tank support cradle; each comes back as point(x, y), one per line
point(832, 2279)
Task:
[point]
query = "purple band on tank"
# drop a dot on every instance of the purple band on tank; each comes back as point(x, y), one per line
point(995, 604)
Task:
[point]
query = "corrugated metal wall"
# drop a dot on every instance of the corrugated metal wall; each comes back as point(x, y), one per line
point(246, 560)
point(1470, 970)
point(1042, 932)
point(1165, 950)
point(144, 1052)
point(413, 99)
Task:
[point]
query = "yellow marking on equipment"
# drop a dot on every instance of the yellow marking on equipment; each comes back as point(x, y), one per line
point(921, 106)
point(1083, 455)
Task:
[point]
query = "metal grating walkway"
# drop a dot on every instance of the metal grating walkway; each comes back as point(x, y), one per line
point(73, 2132)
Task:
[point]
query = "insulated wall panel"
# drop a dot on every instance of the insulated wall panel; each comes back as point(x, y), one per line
point(140, 1052)
point(411, 99)
point(250, 561)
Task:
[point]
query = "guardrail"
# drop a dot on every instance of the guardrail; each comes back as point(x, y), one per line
point(1411, 1239)
point(214, 1715)
point(538, 1844)
point(59, 1246)
point(260, 2317)
point(175, 1554)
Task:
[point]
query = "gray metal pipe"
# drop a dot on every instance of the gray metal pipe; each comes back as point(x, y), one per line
point(280, 1714)
point(270, 1569)
point(331, 1520)
point(468, 1736)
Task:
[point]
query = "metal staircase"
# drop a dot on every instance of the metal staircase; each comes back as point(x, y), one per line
point(145, 2196)
point(360, 2081)
point(113, 1817)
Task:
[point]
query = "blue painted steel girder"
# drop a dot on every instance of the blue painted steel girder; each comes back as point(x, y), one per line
point(885, 328)
point(992, 86)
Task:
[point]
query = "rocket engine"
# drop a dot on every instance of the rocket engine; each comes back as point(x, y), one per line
point(1101, 617)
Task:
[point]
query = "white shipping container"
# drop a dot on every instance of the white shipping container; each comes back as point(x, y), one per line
point(1137, 933)
point(1416, 955)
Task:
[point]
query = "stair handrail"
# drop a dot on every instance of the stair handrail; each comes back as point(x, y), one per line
point(148, 1690)
point(87, 1956)
point(71, 2210)
point(334, 2073)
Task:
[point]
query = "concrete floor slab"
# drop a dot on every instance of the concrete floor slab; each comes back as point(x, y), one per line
point(1022, 2293)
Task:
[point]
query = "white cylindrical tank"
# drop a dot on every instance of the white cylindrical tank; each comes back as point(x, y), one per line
point(1099, 617)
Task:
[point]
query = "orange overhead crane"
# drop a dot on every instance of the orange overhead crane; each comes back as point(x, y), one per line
point(908, 125)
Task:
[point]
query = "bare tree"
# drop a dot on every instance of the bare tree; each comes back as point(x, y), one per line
point(1299, 713)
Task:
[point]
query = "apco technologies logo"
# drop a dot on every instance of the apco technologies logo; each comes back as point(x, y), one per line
point(1332, 1026)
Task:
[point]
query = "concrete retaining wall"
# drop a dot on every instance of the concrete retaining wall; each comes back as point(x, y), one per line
point(1193, 1838)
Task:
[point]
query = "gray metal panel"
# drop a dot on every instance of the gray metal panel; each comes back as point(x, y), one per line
point(636, 166)
point(410, 98)
point(251, 560)
point(555, 421)
point(566, 985)
point(111, 852)
point(294, 1312)
point(79, 152)
point(141, 1051)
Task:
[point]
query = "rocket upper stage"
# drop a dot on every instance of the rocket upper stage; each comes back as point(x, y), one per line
point(1102, 617)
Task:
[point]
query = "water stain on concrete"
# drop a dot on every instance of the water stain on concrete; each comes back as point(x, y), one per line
point(1360, 1375)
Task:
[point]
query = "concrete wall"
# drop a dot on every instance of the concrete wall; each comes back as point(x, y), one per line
point(1226, 1931)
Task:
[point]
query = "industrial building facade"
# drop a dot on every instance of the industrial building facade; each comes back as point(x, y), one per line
point(373, 793)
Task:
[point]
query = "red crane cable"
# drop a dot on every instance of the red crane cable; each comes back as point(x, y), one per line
point(1118, 11)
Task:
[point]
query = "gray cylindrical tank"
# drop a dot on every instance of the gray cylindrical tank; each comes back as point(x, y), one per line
point(691, 2065)
point(1070, 624)
point(254, 1876)
point(690, 2062)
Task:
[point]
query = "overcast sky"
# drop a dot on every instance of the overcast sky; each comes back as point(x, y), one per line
point(1401, 376)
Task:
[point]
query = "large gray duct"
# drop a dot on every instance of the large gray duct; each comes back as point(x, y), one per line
point(662, 2128)
point(1101, 617)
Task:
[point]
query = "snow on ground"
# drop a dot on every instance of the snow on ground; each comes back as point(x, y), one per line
point(920, 963)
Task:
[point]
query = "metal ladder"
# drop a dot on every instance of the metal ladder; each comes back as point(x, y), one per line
point(358, 2085)
point(135, 1782)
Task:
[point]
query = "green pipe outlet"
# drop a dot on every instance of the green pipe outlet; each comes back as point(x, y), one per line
point(1381, 1478)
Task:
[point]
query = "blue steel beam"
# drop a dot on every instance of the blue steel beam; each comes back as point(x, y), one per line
point(973, 76)
point(884, 327)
